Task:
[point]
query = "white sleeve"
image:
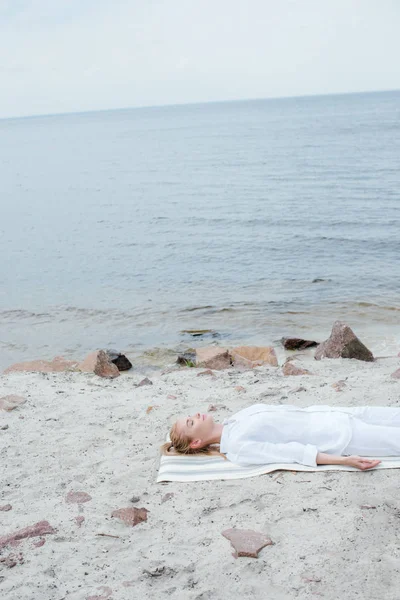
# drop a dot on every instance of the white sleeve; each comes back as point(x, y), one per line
point(260, 453)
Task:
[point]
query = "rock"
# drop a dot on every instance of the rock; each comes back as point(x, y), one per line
point(77, 497)
point(396, 374)
point(289, 369)
point(98, 362)
point(120, 361)
point(135, 499)
point(11, 560)
point(297, 343)
point(213, 357)
point(343, 343)
point(206, 372)
point(187, 359)
point(339, 385)
point(57, 365)
point(5, 508)
point(167, 497)
point(37, 530)
point(145, 381)
point(40, 543)
point(105, 593)
point(247, 542)
point(4, 427)
point(10, 402)
point(253, 356)
point(149, 409)
point(215, 407)
point(200, 332)
point(79, 520)
point(131, 516)
point(297, 390)
point(240, 388)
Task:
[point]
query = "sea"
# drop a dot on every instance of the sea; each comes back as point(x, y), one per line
point(248, 220)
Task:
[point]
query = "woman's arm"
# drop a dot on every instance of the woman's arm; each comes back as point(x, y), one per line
point(349, 461)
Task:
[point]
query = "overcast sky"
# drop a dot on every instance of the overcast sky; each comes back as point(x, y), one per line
point(74, 55)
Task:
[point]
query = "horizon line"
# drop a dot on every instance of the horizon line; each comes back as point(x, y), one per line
point(181, 104)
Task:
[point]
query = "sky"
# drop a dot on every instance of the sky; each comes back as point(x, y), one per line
point(60, 56)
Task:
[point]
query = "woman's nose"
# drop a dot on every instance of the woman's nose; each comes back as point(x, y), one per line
point(198, 415)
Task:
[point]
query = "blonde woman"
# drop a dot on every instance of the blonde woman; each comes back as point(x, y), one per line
point(318, 435)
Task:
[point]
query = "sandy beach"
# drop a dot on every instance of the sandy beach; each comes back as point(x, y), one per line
point(335, 535)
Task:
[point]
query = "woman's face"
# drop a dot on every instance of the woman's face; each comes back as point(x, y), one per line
point(195, 427)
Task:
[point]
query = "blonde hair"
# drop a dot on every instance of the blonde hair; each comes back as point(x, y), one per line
point(180, 444)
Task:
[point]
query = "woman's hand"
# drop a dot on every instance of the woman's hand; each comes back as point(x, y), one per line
point(360, 463)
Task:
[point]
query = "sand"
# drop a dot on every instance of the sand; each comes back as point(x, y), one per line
point(80, 433)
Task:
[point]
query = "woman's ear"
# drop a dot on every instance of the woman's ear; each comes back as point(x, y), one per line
point(195, 444)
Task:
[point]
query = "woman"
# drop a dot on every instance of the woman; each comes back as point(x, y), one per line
point(318, 435)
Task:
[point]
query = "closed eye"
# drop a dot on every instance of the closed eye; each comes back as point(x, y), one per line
point(189, 423)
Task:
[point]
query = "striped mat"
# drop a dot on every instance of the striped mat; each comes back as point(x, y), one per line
point(205, 468)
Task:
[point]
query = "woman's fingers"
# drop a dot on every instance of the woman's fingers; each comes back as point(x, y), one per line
point(366, 463)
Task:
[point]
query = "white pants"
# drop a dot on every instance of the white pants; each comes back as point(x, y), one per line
point(375, 431)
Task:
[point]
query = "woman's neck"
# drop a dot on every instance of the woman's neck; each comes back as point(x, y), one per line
point(216, 433)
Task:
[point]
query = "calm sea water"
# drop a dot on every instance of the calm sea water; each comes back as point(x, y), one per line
point(123, 228)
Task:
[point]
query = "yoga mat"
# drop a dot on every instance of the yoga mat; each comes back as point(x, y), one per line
point(207, 468)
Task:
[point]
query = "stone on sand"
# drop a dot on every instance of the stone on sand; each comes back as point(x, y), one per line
point(289, 369)
point(57, 365)
point(131, 516)
point(11, 401)
point(253, 356)
point(247, 542)
point(343, 343)
point(290, 343)
point(99, 363)
point(119, 360)
point(39, 529)
point(77, 497)
point(396, 374)
point(213, 357)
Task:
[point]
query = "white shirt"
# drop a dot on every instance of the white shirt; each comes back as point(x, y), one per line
point(263, 434)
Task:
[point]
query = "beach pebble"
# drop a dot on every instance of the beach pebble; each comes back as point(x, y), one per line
point(36, 530)
point(247, 542)
point(105, 592)
point(145, 381)
point(5, 508)
point(240, 388)
point(99, 363)
point(79, 520)
point(77, 497)
point(290, 370)
point(10, 402)
point(396, 374)
point(131, 516)
point(297, 343)
point(167, 497)
point(339, 385)
point(4, 427)
point(119, 360)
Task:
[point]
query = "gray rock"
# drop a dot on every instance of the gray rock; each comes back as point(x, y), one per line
point(343, 343)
